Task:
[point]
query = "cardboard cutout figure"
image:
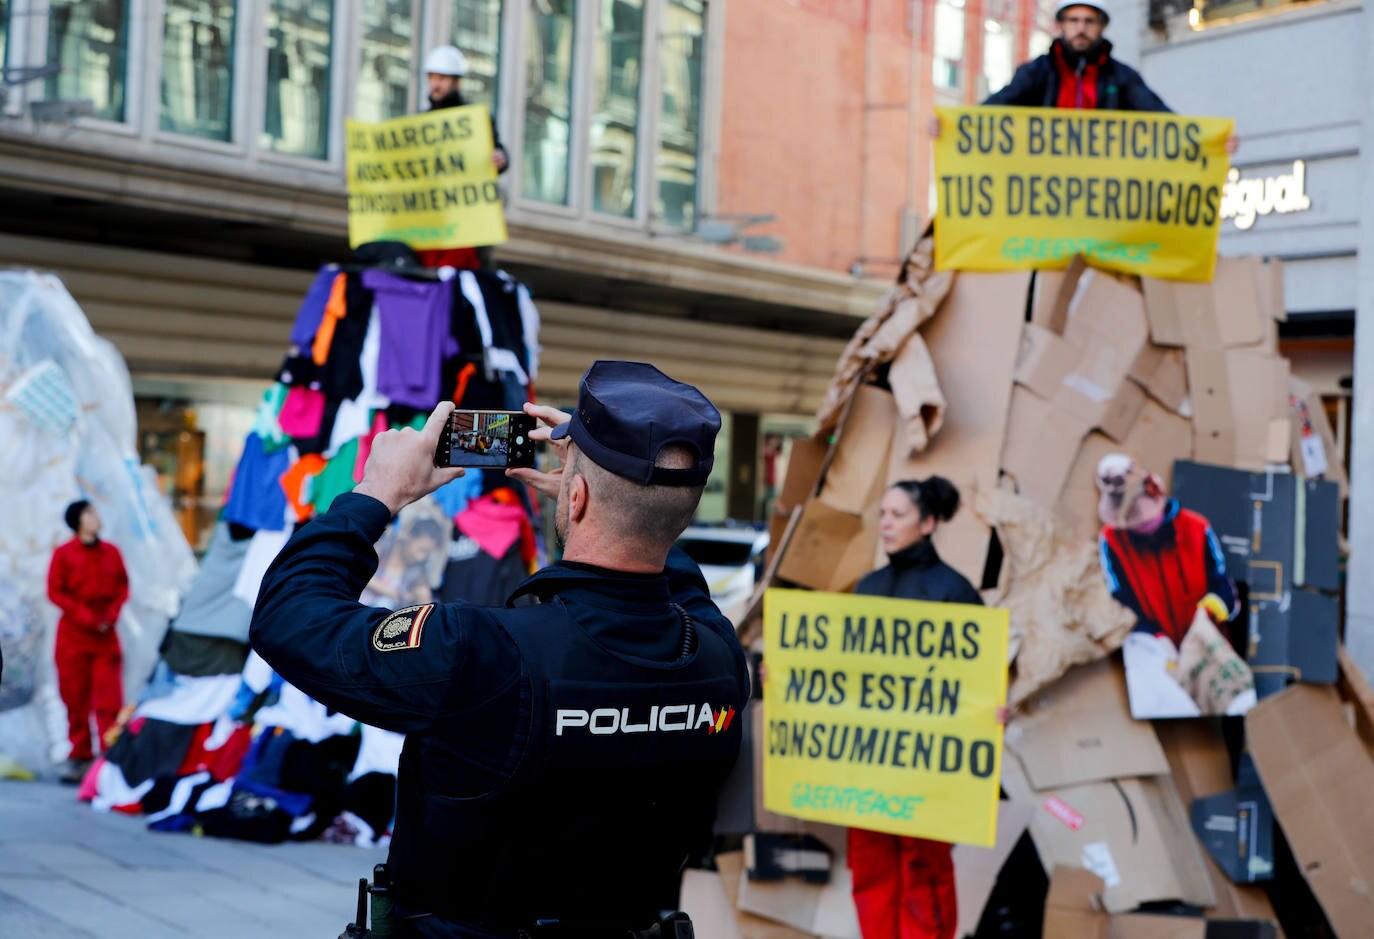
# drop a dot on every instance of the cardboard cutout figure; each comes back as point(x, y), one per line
point(1165, 564)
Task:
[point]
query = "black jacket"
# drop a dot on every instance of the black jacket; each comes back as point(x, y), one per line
point(917, 573)
point(1119, 87)
point(562, 758)
point(456, 100)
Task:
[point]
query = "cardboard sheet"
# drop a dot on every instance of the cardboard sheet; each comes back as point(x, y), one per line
point(826, 911)
point(1201, 767)
point(1319, 780)
point(1040, 446)
point(976, 869)
point(730, 867)
point(973, 340)
point(1133, 833)
point(855, 478)
point(1080, 729)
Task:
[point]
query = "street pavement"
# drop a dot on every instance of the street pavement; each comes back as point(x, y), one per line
point(67, 872)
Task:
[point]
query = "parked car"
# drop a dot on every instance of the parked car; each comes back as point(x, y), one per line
point(731, 559)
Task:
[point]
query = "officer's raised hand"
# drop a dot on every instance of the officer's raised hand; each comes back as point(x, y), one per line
point(401, 467)
point(545, 484)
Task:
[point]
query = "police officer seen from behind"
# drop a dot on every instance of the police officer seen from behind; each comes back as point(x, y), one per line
point(564, 752)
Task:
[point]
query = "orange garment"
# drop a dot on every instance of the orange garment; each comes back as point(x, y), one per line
point(335, 309)
point(293, 480)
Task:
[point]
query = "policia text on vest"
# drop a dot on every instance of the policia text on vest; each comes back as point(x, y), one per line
point(881, 713)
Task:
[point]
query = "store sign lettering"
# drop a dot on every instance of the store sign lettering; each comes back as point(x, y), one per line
point(1245, 200)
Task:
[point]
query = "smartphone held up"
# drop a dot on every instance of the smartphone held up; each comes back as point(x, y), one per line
point(486, 439)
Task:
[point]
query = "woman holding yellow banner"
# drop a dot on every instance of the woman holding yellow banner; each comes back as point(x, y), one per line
point(904, 887)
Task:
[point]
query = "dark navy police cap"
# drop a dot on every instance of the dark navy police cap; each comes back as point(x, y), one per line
point(627, 412)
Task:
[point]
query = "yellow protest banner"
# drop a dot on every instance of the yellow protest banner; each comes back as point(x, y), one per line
point(426, 180)
point(882, 713)
point(1135, 192)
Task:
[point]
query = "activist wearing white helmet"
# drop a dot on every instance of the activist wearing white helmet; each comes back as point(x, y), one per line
point(1099, 7)
point(446, 60)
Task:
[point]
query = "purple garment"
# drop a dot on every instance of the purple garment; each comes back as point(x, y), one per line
point(312, 309)
point(415, 338)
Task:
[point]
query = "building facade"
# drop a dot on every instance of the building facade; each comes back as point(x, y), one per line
point(721, 186)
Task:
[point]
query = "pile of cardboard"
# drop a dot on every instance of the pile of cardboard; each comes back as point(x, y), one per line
point(1014, 386)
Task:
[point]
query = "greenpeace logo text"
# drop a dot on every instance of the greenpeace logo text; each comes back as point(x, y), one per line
point(657, 719)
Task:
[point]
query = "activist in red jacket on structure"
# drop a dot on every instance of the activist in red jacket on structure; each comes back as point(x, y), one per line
point(88, 583)
point(904, 887)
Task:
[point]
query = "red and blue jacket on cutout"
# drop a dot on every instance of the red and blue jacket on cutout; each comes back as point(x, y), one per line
point(1161, 576)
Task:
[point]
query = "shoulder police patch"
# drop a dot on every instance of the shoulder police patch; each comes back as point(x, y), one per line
point(402, 629)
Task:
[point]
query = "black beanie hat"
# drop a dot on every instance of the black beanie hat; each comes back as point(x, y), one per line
point(73, 513)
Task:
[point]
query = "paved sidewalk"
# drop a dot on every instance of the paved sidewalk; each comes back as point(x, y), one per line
point(67, 872)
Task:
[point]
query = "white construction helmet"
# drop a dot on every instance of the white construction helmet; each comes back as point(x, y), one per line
point(1098, 5)
point(446, 60)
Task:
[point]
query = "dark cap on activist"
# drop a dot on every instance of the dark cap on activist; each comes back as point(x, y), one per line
point(627, 412)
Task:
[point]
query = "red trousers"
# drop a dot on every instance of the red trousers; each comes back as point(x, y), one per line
point(903, 887)
point(89, 680)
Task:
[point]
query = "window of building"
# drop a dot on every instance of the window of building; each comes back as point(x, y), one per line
point(679, 133)
point(197, 68)
point(299, 37)
point(477, 31)
point(387, 55)
point(90, 39)
point(999, 54)
point(549, 66)
point(948, 58)
point(4, 31)
point(615, 107)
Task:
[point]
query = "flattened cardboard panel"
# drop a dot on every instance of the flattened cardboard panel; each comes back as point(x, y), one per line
point(1309, 418)
point(856, 473)
point(1210, 390)
point(819, 555)
point(1258, 386)
point(1132, 832)
point(1044, 360)
point(730, 869)
point(1072, 907)
point(1040, 446)
point(1122, 411)
point(804, 459)
point(976, 869)
point(1080, 729)
point(1241, 313)
point(1319, 778)
point(820, 910)
point(704, 899)
point(1163, 374)
point(973, 340)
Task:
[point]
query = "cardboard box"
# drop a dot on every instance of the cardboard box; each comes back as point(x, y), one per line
point(1080, 729)
point(1133, 833)
point(1319, 779)
point(1236, 827)
point(973, 340)
point(1201, 766)
point(805, 457)
point(1319, 457)
point(856, 476)
point(1163, 375)
point(1040, 446)
point(1073, 911)
point(1043, 360)
point(830, 549)
point(1226, 313)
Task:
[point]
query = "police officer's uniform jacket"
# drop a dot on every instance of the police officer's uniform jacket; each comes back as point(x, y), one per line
point(563, 754)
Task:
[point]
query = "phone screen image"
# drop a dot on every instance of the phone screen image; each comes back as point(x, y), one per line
point(488, 439)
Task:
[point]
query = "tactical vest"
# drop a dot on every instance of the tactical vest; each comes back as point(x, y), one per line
point(616, 786)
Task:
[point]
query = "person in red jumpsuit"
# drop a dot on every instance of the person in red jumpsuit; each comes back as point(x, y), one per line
point(904, 887)
point(88, 583)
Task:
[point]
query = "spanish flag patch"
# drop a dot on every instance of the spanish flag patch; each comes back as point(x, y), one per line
point(402, 629)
